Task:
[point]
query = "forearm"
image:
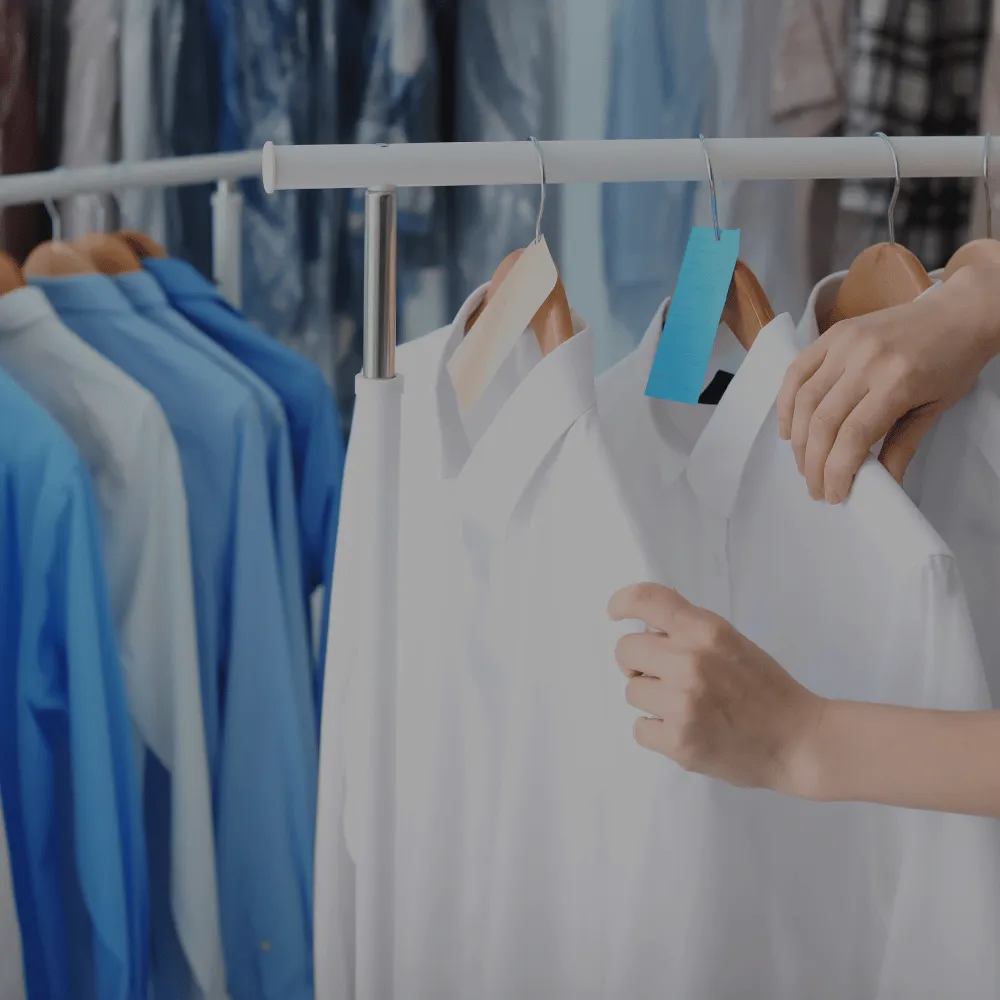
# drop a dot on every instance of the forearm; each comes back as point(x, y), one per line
point(915, 758)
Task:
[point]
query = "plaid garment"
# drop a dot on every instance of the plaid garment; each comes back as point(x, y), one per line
point(916, 69)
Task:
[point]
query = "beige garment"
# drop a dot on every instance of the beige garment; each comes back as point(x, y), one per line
point(989, 122)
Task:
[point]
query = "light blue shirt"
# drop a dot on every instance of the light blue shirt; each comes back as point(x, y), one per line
point(148, 299)
point(262, 755)
point(67, 760)
point(318, 449)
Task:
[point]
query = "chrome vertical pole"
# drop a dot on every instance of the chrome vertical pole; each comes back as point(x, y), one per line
point(227, 241)
point(377, 419)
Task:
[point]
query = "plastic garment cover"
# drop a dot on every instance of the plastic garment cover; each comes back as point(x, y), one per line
point(18, 137)
point(150, 50)
point(660, 62)
point(89, 115)
point(505, 87)
point(262, 51)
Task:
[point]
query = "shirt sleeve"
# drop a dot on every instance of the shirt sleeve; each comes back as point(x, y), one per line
point(161, 632)
point(266, 808)
point(945, 914)
point(74, 672)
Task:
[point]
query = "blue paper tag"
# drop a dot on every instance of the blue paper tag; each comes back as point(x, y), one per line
point(681, 361)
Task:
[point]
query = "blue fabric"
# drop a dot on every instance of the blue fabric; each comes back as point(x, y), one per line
point(660, 64)
point(262, 752)
point(67, 757)
point(148, 299)
point(318, 449)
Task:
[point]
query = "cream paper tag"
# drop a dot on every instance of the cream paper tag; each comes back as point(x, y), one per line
point(506, 316)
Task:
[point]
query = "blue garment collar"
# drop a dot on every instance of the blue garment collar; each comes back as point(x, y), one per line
point(83, 293)
point(142, 290)
point(179, 279)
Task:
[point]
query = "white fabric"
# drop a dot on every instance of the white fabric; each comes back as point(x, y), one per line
point(769, 213)
point(140, 113)
point(512, 537)
point(89, 110)
point(762, 896)
point(124, 439)
point(11, 967)
point(954, 479)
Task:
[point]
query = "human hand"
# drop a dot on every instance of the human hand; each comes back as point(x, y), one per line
point(888, 374)
point(715, 703)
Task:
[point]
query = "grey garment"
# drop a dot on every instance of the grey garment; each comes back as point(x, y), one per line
point(916, 69)
point(505, 89)
point(11, 966)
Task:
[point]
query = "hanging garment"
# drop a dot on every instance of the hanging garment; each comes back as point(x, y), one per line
point(148, 300)
point(88, 137)
point(506, 73)
point(67, 760)
point(784, 898)
point(989, 119)
point(256, 736)
point(954, 479)
point(916, 69)
point(773, 237)
point(48, 43)
point(500, 745)
point(317, 440)
point(11, 968)
point(19, 151)
point(659, 81)
point(262, 60)
point(124, 439)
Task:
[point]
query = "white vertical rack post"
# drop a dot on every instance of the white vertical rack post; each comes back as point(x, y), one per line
point(227, 241)
point(380, 169)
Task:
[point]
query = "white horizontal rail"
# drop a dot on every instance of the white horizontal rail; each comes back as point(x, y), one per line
point(179, 171)
point(611, 160)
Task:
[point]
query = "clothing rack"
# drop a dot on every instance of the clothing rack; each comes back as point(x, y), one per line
point(380, 169)
point(224, 169)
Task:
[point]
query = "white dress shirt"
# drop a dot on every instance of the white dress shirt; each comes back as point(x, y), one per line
point(11, 968)
point(512, 538)
point(764, 896)
point(954, 479)
point(124, 439)
point(89, 114)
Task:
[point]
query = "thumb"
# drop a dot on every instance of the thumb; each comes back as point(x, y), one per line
point(903, 440)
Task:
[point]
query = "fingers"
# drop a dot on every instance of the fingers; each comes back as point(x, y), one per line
point(644, 694)
point(871, 419)
point(658, 606)
point(826, 422)
point(807, 400)
point(650, 734)
point(641, 653)
point(904, 439)
point(799, 372)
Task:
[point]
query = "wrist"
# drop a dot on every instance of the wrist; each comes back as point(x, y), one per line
point(811, 767)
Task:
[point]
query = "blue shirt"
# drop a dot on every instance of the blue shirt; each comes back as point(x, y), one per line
point(317, 440)
point(263, 757)
point(147, 298)
point(67, 760)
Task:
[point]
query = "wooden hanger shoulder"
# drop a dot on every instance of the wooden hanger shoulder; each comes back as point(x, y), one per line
point(748, 309)
point(142, 244)
point(54, 259)
point(109, 254)
point(984, 251)
point(10, 274)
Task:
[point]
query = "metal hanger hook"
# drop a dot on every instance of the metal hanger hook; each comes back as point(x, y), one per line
point(986, 186)
point(711, 188)
point(55, 218)
point(541, 200)
point(895, 190)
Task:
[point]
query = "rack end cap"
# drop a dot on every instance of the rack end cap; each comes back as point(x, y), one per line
point(269, 168)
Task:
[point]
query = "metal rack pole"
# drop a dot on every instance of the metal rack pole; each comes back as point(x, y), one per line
point(227, 241)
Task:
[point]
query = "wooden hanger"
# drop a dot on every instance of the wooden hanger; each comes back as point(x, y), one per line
point(109, 254)
point(141, 244)
point(55, 259)
point(882, 276)
point(10, 274)
point(982, 251)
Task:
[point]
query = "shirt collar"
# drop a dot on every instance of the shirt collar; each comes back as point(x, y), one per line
point(24, 307)
point(83, 293)
point(179, 279)
point(491, 476)
point(142, 290)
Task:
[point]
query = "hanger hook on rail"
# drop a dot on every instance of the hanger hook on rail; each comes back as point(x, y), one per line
point(986, 185)
point(895, 190)
point(711, 188)
point(55, 218)
point(541, 200)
